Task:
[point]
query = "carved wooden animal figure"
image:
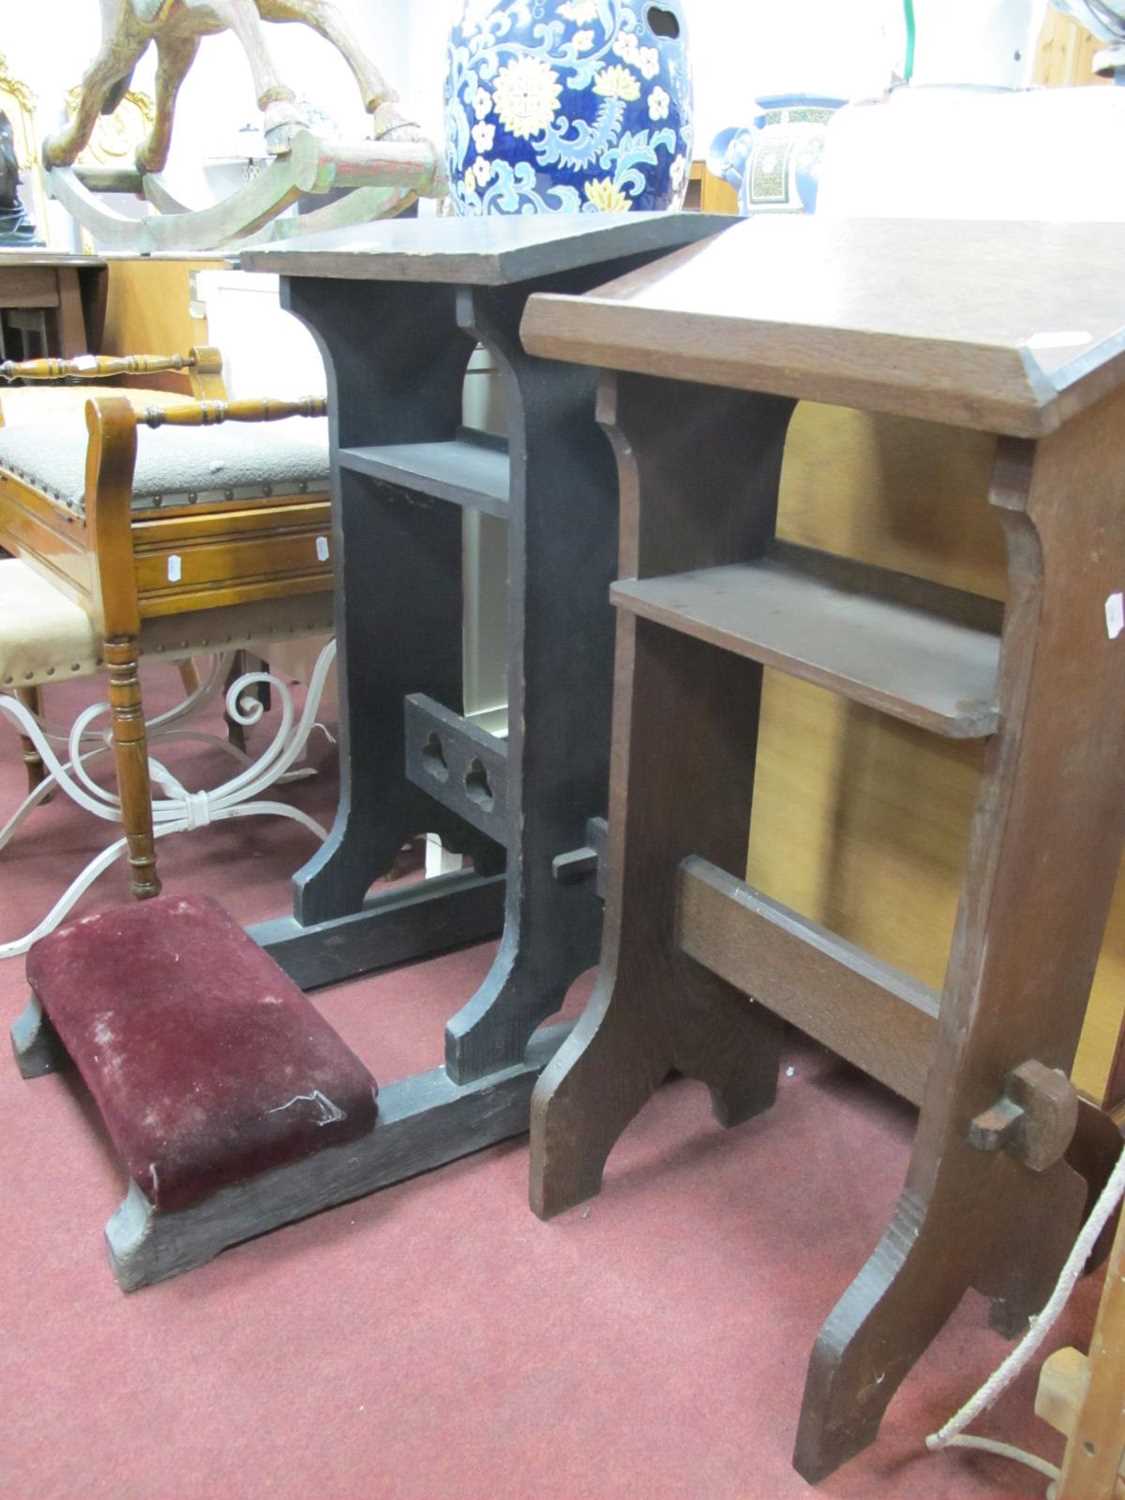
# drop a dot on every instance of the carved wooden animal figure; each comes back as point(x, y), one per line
point(176, 27)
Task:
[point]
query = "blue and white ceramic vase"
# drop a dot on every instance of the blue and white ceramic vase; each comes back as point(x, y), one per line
point(774, 162)
point(567, 106)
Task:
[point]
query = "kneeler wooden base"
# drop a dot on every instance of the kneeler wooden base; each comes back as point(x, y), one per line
point(234, 1106)
point(424, 1121)
point(708, 597)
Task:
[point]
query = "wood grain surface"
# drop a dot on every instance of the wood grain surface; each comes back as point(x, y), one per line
point(906, 661)
point(494, 251)
point(881, 314)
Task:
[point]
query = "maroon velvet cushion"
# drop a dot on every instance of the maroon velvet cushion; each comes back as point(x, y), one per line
point(207, 1062)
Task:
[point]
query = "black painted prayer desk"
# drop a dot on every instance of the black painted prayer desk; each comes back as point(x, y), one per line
point(397, 309)
point(1012, 329)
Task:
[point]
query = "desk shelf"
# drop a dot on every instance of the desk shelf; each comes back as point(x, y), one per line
point(932, 661)
point(471, 469)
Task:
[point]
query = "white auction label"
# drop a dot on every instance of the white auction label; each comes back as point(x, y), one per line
point(1114, 615)
point(322, 548)
point(175, 568)
point(1062, 338)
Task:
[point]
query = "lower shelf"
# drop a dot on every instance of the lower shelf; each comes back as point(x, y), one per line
point(853, 629)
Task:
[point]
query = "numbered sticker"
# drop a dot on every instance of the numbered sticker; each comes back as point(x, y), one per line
point(322, 548)
point(85, 362)
point(1114, 615)
point(175, 568)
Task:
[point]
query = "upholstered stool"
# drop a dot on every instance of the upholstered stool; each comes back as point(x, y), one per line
point(175, 466)
point(178, 520)
point(46, 637)
point(220, 1085)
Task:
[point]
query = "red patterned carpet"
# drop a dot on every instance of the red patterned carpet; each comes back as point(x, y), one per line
point(436, 1341)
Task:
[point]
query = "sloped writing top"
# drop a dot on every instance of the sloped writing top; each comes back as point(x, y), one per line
point(497, 250)
point(1005, 327)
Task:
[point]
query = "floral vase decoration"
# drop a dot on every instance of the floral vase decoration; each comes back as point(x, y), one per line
point(567, 106)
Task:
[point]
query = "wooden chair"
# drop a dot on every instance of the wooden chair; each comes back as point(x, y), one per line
point(175, 545)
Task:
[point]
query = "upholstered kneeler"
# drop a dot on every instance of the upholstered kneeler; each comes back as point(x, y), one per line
point(216, 1079)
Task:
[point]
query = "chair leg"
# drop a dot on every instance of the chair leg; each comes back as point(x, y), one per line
point(31, 698)
point(130, 752)
point(189, 676)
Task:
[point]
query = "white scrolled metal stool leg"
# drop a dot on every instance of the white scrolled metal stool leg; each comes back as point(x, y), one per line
point(178, 811)
point(100, 742)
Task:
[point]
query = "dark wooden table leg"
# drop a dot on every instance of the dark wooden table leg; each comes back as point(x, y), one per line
point(1042, 864)
point(562, 546)
point(395, 361)
point(706, 465)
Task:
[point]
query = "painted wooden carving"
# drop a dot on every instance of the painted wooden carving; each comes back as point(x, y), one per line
point(176, 27)
point(386, 174)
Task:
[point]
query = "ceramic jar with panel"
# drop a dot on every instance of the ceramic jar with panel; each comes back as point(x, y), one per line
point(774, 163)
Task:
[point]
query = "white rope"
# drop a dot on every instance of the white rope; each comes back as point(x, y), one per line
point(197, 811)
point(1008, 1450)
point(950, 1435)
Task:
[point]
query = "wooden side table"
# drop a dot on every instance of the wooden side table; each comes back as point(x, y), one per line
point(1012, 329)
point(398, 308)
point(68, 292)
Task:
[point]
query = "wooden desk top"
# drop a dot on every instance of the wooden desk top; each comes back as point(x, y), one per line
point(54, 259)
point(1005, 327)
point(493, 251)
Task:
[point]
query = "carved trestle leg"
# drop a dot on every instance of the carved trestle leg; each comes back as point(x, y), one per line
point(699, 471)
point(32, 700)
point(562, 544)
point(395, 362)
point(130, 754)
point(1043, 857)
point(655, 1010)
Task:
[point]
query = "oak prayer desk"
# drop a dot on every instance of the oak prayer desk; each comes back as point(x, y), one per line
point(397, 308)
point(1012, 329)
